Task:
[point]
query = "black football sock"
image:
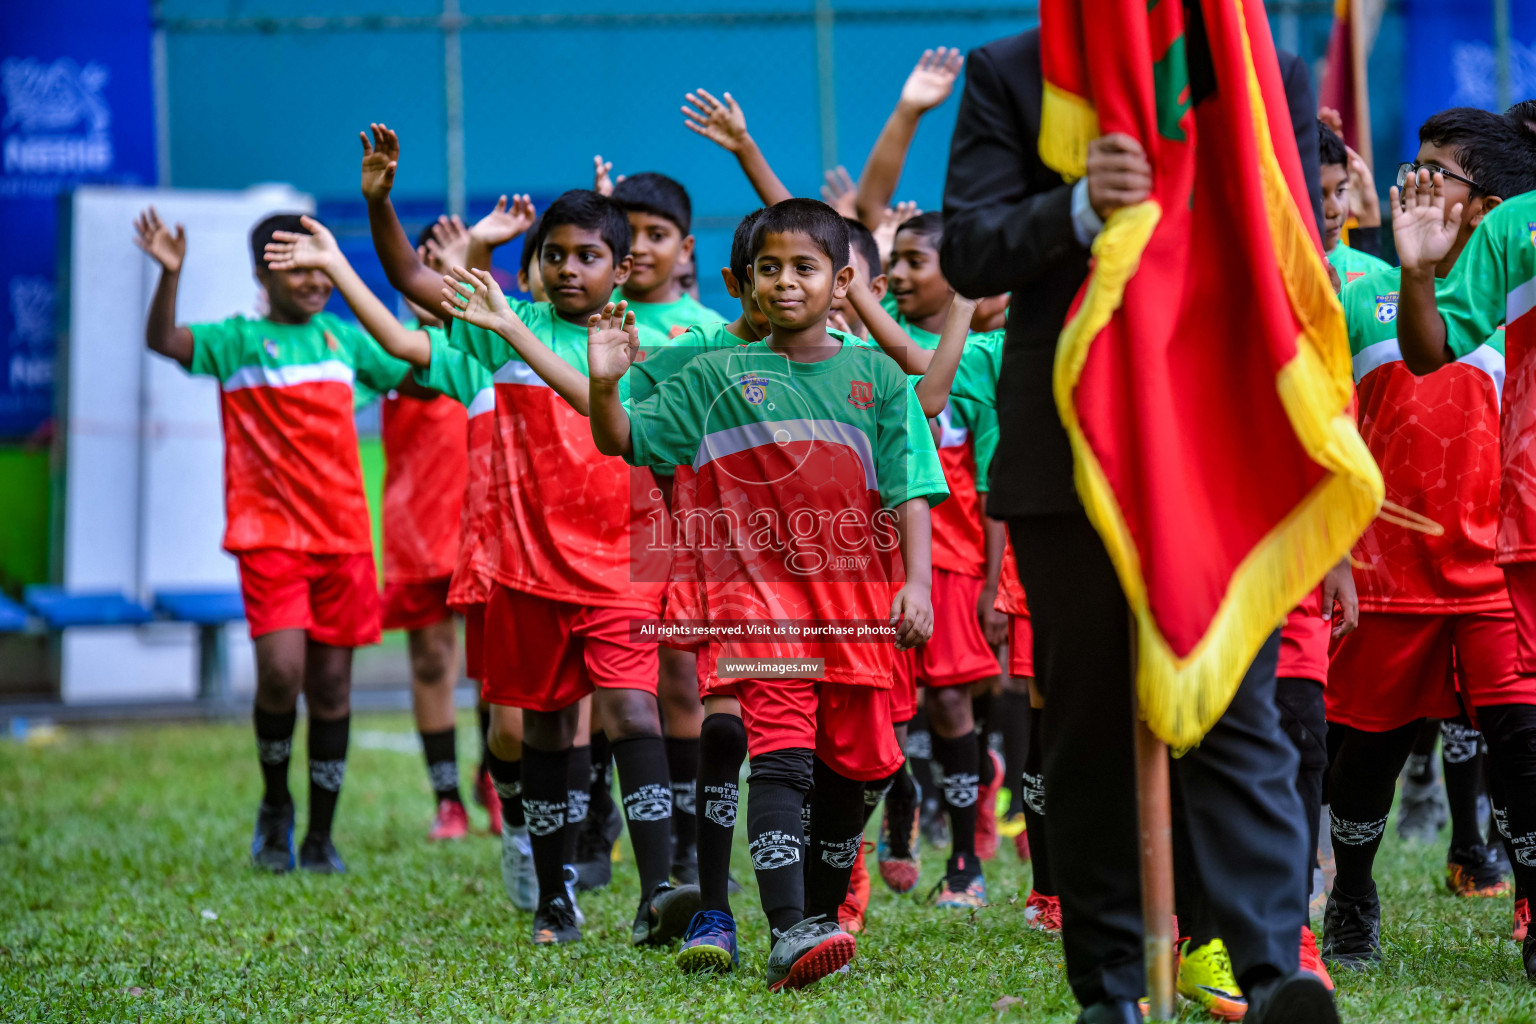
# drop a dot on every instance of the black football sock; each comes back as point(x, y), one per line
point(981, 712)
point(1461, 754)
point(546, 790)
point(327, 769)
point(955, 772)
point(836, 839)
point(1013, 721)
point(878, 790)
point(274, 748)
point(601, 803)
point(1032, 789)
point(507, 777)
point(483, 716)
point(776, 789)
point(722, 749)
point(683, 770)
point(1510, 730)
point(647, 797)
point(442, 763)
point(900, 806)
point(919, 751)
point(1362, 783)
point(579, 774)
point(1421, 767)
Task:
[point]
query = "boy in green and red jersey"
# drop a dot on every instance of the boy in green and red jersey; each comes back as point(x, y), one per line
point(849, 446)
point(1434, 597)
point(557, 623)
point(1333, 161)
point(297, 517)
point(660, 218)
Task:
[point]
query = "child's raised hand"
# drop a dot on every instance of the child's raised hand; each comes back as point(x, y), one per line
point(156, 239)
point(721, 123)
point(447, 244)
point(505, 222)
point(912, 615)
point(380, 159)
point(602, 183)
point(990, 313)
point(294, 250)
point(1422, 227)
point(890, 220)
point(841, 192)
point(1363, 201)
point(474, 297)
point(931, 82)
point(613, 343)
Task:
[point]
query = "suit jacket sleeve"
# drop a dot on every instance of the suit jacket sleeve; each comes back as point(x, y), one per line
point(1001, 230)
point(1303, 104)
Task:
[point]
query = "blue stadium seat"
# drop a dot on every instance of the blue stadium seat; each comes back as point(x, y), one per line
point(61, 609)
point(13, 617)
point(201, 607)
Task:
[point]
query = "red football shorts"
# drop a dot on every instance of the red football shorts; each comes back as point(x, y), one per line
point(416, 604)
point(903, 691)
point(1021, 647)
point(544, 655)
point(1304, 641)
point(1396, 669)
point(474, 640)
point(333, 598)
point(957, 653)
point(849, 727)
point(1520, 578)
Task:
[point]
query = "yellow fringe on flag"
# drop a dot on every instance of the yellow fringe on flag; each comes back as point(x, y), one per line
point(1181, 698)
point(1068, 123)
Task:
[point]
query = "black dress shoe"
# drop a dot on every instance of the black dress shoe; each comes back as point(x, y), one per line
point(1111, 1011)
point(1299, 998)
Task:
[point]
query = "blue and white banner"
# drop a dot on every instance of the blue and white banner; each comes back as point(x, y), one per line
point(1452, 60)
point(78, 106)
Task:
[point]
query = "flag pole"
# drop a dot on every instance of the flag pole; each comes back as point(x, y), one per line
point(1156, 870)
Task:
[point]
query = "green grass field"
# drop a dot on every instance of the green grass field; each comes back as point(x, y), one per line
point(125, 894)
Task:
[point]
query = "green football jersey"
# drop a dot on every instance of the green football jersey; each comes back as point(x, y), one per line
point(673, 318)
point(1352, 264)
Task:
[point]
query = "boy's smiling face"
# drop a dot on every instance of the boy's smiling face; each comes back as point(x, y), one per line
point(293, 296)
point(796, 283)
point(1335, 182)
point(578, 269)
point(915, 278)
point(655, 249)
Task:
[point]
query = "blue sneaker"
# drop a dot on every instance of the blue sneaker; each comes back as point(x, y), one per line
point(272, 845)
point(709, 944)
point(318, 855)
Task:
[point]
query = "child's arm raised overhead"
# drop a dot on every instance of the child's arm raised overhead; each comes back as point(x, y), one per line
point(447, 245)
point(496, 229)
point(893, 341)
point(161, 332)
point(929, 85)
point(725, 125)
point(912, 608)
point(293, 250)
point(402, 265)
point(933, 389)
point(474, 297)
point(613, 342)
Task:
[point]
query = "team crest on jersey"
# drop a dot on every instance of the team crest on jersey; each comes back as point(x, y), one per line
point(1354, 275)
point(753, 388)
point(861, 394)
point(1531, 227)
point(678, 330)
point(330, 341)
point(270, 346)
point(1386, 308)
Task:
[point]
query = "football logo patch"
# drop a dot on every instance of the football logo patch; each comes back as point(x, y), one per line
point(774, 850)
point(649, 803)
point(861, 394)
point(1386, 308)
point(753, 388)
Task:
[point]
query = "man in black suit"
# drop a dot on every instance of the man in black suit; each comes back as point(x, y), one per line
point(1011, 224)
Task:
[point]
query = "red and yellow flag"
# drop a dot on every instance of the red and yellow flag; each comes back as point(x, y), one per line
point(1203, 374)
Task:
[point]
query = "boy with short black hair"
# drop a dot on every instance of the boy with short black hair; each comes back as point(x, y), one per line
point(1437, 630)
point(660, 219)
point(1333, 161)
point(297, 515)
point(557, 621)
point(740, 416)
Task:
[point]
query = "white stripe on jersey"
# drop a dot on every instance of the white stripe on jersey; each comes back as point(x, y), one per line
point(1520, 301)
point(515, 371)
point(1485, 358)
point(1491, 361)
point(732, 440)
point(330, 370)
point(951, 433)
point(483, 402)
point(1376, 354)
